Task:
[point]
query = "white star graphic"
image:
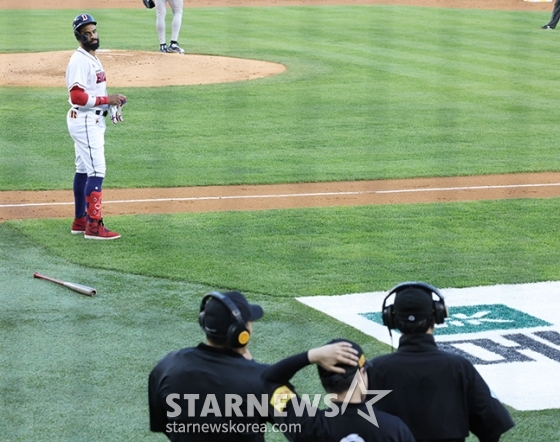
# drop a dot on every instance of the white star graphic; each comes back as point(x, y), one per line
point(379, 394)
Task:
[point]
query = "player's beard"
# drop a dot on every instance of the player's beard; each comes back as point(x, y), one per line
point(92, 45)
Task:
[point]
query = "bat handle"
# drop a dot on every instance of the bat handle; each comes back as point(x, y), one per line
point(47, 278)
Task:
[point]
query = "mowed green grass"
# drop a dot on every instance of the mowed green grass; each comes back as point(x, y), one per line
point(370, 92)
point(330, 251)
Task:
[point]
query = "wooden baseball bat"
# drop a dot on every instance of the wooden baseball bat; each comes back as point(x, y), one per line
point(83, 289)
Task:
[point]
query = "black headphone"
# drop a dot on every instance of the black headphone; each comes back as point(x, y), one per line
point(237, 335)
point(439, 308)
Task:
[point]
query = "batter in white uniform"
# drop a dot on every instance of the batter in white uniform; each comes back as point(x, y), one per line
point(87, 85)
point(177, 9)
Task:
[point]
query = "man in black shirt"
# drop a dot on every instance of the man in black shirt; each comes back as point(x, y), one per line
point(439, 395)
point(348, 417)
point(212, 392)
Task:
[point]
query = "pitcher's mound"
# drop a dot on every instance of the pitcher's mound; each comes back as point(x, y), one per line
point(134, 68)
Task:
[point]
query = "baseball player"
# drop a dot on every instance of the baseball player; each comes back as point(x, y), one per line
point(555, 18)
point(177, 9)
point(90, 104)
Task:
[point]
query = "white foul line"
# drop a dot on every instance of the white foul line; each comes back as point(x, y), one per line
point(437, 189)
point(292, 195)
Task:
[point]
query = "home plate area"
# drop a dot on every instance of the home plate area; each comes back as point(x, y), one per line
point(511, 333)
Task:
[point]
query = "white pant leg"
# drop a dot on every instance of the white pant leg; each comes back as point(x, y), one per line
point(177, 8)
point(88, 132)
point(160, 19)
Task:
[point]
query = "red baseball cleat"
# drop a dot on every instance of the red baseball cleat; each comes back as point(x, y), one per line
point(97, 230)
point(79, 225)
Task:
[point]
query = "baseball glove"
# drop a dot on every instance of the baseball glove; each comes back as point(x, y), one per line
point(116, 114)
point(149, 4)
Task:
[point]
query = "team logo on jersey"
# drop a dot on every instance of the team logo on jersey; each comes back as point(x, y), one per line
point(101, 77)
point(506, 331)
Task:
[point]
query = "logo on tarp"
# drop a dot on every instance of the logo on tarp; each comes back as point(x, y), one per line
point(510, 332)
point(478, 318)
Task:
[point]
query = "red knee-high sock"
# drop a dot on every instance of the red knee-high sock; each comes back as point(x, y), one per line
point(93, 203)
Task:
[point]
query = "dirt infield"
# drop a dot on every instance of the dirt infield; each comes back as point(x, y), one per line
point(58, 204)
point(48, 70)
point(134, 69)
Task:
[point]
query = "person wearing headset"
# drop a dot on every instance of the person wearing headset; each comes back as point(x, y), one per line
point(191, 390)
point(439, 395)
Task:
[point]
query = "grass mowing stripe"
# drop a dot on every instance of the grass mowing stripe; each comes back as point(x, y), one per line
point(362, 99)
point(328, 251)
point(450, 92)
point(79, 349)
point(89, 358)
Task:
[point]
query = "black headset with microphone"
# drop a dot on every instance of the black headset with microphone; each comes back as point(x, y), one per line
point(439, 309)
point(238, 334)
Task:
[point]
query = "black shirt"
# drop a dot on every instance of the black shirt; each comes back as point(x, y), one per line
point(303, 426)
point(219, 377)
point(439, 395)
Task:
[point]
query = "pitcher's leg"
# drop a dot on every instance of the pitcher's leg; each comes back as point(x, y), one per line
point(160, 23)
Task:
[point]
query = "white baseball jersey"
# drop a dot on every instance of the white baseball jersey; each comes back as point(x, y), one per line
point(85, 71)
point(86, 124)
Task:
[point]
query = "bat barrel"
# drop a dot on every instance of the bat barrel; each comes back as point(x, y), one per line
point(83, 289)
